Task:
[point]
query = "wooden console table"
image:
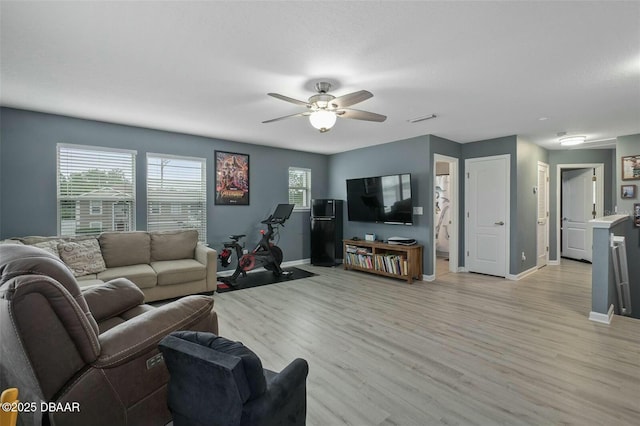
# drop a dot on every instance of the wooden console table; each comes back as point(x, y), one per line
point(390, 260)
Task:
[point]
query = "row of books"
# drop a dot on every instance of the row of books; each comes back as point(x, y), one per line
point(391, 263)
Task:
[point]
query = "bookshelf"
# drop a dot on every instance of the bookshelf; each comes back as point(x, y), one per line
point(390, 260)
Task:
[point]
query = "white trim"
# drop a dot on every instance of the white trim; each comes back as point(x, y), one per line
point(287, 264)
point(428, 277)
point(96, 148)
point(599, 194)
point(554, 262)
point(547, 184)
point(602, 318)
point(522, 274)
point(462, 269)
point(175, 157)
point(454, 203)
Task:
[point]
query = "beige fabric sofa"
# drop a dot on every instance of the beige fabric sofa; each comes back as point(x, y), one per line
point(163, 264)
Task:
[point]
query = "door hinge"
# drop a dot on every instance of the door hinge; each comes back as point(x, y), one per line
point(468, 175)
point(467, 215)
point(467, 253)
point(547, 248)
point(594, 178)
point(547, 178)
point(547, 214)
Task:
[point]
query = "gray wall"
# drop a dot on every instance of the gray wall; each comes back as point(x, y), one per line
point(28, 176)
point(488, 148)
point(405, 156)
point(577, 156)
point(629, 145)
point(525, 239)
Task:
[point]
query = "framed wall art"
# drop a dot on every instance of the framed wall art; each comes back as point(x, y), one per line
point(628, 191)
point(636, 214)
point(232, 178)
point(631, 167)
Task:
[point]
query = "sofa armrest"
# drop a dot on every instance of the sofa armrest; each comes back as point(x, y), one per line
point(142, 333)
point(209, 258)
point(113, 298)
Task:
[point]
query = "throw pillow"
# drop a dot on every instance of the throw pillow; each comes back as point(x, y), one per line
point(51, 246)
point(82, 257)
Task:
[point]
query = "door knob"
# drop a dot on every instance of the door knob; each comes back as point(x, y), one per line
point(499, 223)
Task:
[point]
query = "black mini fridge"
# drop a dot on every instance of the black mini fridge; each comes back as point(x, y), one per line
point(326, 232)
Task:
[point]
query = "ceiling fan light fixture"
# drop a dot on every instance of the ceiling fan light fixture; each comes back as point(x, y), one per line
point(572, 140)
point(322, 120)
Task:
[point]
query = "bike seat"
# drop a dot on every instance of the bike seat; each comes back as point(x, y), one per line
point(236, 237)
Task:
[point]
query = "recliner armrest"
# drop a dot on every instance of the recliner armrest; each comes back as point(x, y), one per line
point(113, 298)
point(141, 334)
point(284, 389)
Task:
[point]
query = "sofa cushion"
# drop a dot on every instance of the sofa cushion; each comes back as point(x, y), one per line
point(125, 248)
point(83, 257)
point(173, 245)
point(179, 271)
point(142, 275)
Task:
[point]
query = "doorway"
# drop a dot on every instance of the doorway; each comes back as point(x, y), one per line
point(445, 215)
point(542, 227)
point(487, 189)
point(580, 198)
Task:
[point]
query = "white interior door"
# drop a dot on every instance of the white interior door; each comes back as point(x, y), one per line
point(487, 216)
point(543, 215)
point(577, 207)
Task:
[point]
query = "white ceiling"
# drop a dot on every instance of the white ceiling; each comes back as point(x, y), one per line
point(486, 69)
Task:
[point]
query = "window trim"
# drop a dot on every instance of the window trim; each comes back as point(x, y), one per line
point(306, 188)
point(100, 149)
point(204, 181)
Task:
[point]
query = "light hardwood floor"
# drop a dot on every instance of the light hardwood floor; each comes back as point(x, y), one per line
point(464, 349)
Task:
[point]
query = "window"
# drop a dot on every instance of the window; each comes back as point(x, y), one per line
point(300, 187)
point(95, 207)
point(95, 186)
point(177, 193)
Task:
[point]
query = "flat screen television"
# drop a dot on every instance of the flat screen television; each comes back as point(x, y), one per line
point(383, 199)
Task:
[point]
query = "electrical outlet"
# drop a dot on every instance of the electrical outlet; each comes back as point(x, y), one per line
point(417, 210)
point(524, 257)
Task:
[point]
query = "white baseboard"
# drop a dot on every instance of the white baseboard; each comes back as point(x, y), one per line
point(554, 262)
point(287, 264)
point(306, 261)
point(428, 277)
point(602, 318)
point(462, 269)
point(522, 274)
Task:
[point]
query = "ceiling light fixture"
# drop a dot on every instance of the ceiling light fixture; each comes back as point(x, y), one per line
point(323, 120)
point(572, 140)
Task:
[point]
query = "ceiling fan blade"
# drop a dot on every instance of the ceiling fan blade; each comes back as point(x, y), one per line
point(288, 99)
point(300, 114)
point(360, 115)
point(351, 99)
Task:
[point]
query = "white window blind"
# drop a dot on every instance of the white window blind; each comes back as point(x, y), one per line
point(177, 194)
point(96, 190)
point(300, 187)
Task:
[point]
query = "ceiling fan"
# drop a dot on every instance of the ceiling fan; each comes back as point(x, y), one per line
point(323, 108)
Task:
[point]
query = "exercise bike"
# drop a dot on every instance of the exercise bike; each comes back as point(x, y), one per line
point(265, 254)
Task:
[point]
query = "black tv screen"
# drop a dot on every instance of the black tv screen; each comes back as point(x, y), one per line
point(385, 199)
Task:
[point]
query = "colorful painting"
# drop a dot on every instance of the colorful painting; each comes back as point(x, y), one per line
point(232, 178)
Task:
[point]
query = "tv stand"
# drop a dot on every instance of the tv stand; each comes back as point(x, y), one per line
point(390, 260)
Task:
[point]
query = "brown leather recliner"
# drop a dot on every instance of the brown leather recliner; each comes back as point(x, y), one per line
point(97, 348)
